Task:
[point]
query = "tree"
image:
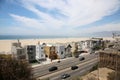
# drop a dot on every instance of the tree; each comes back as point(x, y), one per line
point(12, 69)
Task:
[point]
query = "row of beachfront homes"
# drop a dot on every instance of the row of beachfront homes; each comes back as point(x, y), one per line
point(41, 51)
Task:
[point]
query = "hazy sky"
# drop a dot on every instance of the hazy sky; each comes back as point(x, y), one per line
point(58, 17)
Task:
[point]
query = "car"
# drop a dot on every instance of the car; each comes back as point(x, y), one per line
point(64, 76)
point(53, 68)
point(96, 52)
point(76, 56)
point(82, 58)
point(58, 61)
point(74, 67)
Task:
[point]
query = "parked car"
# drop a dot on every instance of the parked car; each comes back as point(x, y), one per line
point(74, 67)
point(64, 76)
point(53, 68)
point(82, 58)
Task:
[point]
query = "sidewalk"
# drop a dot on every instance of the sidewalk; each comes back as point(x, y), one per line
point(48, 61)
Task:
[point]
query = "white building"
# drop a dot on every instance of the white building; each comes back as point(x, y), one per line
point(83, 45)
point(18, 51)
point(40, 53)
point(60, 50)
point(68, 52)
point(88, 45)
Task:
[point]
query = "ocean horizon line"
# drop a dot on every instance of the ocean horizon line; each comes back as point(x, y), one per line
point(14, 37)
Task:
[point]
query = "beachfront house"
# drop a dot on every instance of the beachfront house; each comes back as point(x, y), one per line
point(50, 52)
point(90, 45)
point(18, 51)
point(68, 52)
point(60, 50)
point(86, 45)
point(97, 43)
point(40, 53)
point(30, 50)
point(74, 48)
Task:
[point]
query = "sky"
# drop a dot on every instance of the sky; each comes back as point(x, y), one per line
point(58, 17)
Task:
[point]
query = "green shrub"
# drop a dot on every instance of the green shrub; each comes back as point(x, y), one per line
point(12, 69)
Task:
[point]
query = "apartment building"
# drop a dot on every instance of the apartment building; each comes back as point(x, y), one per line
point(30, 50)
point(89, 45)
point(18, 51)
point(40, 52)
point(50, 52)
point(68, 52)
point(60, 50)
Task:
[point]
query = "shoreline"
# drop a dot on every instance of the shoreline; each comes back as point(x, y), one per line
point(5, 45)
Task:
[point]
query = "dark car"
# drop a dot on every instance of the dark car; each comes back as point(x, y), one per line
point(53, 68)
point(81, 58)
point(58, 61)
point(74, 67)
point(64, 76)
point(76, 56)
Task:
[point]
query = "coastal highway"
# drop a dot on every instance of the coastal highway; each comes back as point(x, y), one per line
point(43, 69)
point(83, 67)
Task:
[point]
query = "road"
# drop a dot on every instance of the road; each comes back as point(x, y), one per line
point(78, 72)
point(43, 69)
point(83, 67)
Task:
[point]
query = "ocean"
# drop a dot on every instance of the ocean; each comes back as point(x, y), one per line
point(7, 37)
point(14, 37)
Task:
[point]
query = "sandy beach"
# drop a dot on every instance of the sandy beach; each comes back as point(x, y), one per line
point(5, 45)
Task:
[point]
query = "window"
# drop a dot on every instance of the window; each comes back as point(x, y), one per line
point(31, 48)
point(62, 52)
point(31, 57)
point(20, 52)
point(41, 55)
